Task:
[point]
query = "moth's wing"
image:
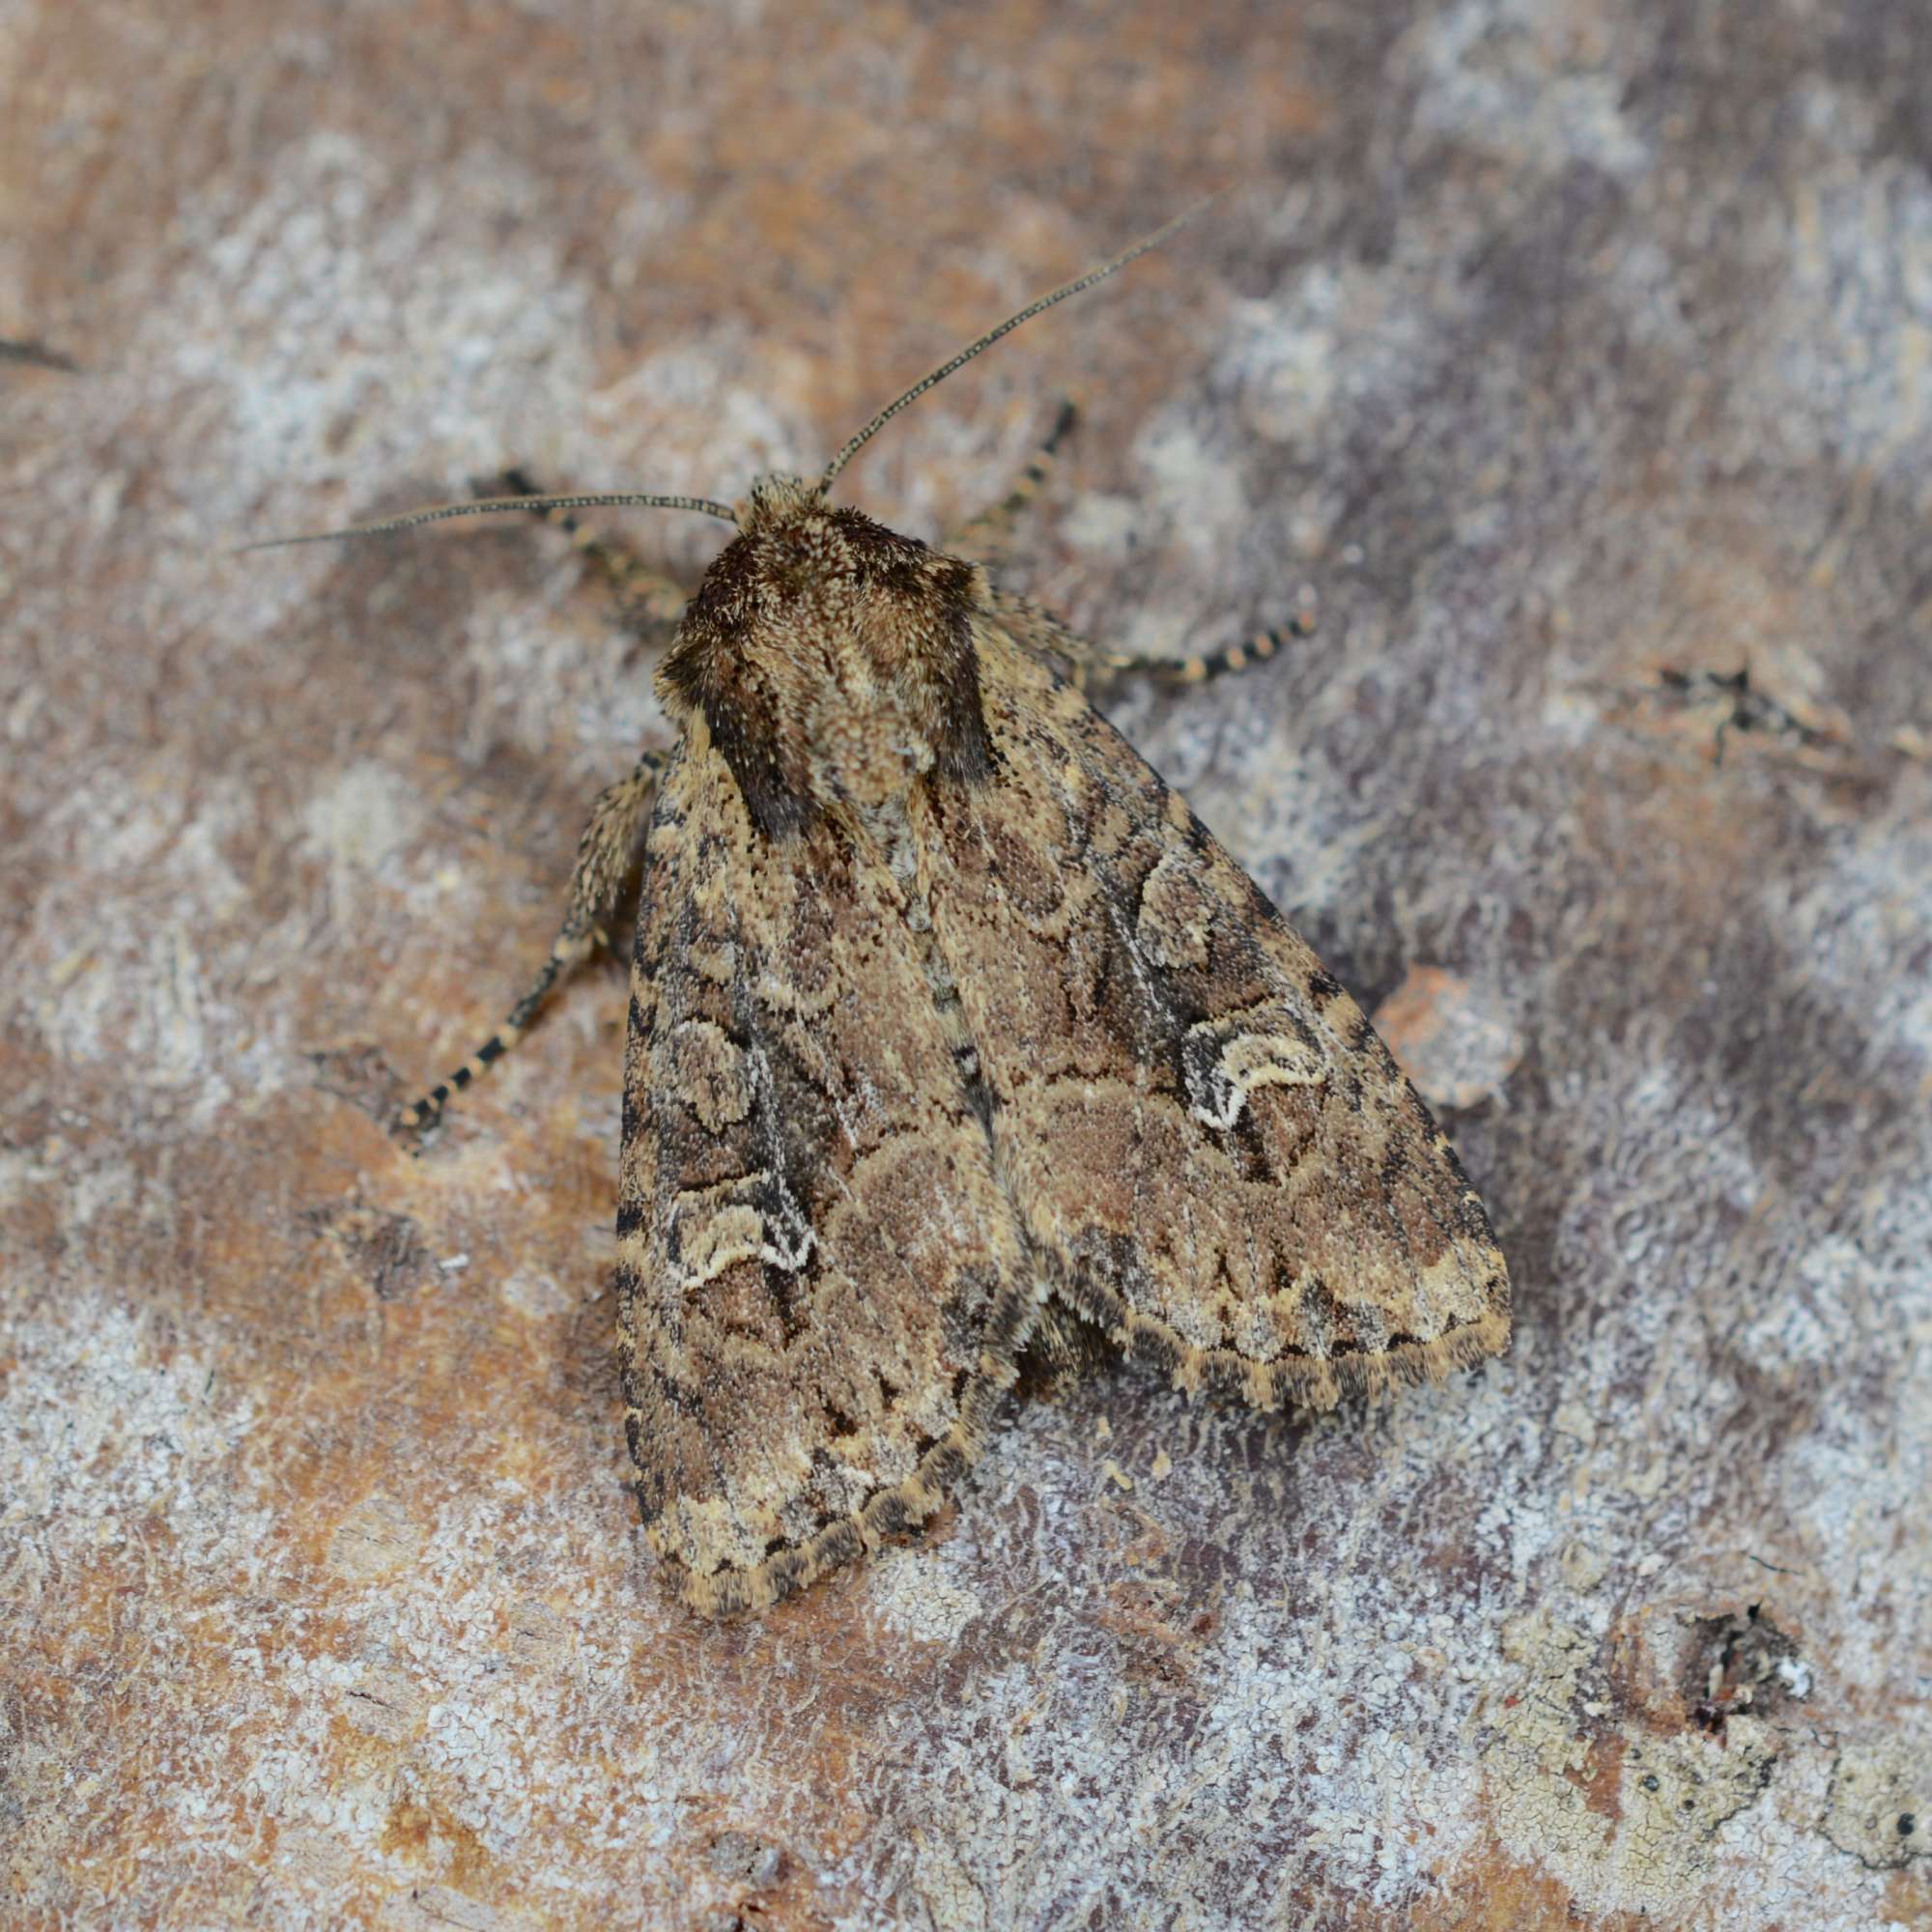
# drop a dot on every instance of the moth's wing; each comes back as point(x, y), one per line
point(822, 1291)
point(1203, 1135)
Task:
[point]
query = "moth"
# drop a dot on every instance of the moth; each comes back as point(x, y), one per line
point(961, 1056)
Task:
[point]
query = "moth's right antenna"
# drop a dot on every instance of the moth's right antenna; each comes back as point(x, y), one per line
point(490, 506)
point(992, 335)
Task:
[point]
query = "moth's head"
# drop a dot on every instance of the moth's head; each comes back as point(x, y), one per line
point(774, 500)
point(832, 659)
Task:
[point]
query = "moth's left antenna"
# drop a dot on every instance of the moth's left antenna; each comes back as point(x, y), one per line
point(486, 506)
point(992, 335)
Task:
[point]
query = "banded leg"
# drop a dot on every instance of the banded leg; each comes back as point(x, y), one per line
point(1036, 627)
point(596, 884)
point(1747, 709)
point(987, 533)
point(642, 591)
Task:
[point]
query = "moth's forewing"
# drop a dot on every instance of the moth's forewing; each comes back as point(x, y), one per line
point(817, 1268)
point(1197, 1125)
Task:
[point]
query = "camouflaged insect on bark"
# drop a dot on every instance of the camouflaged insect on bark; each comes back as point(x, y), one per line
point(947, 1015)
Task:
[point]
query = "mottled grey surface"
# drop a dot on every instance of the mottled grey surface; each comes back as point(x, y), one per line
point(1556, 347)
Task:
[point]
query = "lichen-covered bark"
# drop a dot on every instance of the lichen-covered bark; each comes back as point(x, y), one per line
point(1557, 348)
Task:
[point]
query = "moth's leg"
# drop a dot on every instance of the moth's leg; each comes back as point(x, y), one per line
point(1747, 710)
point(987, 534)
point(596, 884)
point(643, 592)
point(1036, 627)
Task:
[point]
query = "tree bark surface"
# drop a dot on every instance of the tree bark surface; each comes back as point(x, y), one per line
point(1577, 357)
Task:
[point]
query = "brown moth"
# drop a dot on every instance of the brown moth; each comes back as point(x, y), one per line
point(959, 1055)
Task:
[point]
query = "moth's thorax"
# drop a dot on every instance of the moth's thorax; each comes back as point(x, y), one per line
point(831, 657)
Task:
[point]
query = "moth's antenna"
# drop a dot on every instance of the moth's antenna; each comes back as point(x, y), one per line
point(485, 506)
point(992, 335)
